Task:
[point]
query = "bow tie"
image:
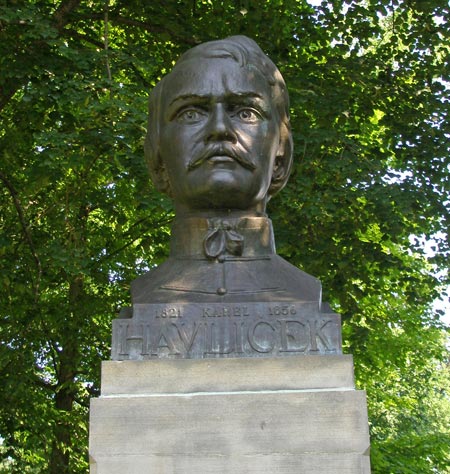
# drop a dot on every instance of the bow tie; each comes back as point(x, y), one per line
point(222, 238)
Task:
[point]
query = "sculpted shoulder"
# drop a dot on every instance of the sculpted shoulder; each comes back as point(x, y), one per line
point(183, 281)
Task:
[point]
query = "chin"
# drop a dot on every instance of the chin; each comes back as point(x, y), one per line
point(221, 202)
point(222, 189)
point(223, 198)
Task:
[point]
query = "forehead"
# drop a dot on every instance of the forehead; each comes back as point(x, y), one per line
point(215, 78)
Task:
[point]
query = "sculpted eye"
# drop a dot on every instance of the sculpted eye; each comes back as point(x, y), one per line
point(190, 116)
point(248, 115)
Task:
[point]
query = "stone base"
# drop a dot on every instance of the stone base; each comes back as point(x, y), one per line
point(278, 415)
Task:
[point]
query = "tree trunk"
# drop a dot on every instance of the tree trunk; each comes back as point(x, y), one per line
point(69, 358)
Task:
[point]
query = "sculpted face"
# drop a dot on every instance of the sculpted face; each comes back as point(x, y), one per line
point(219, 135)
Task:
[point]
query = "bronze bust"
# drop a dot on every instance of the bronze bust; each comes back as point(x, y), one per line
point(219, 143)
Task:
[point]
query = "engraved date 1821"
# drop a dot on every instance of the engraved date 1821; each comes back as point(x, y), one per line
point(169, 312)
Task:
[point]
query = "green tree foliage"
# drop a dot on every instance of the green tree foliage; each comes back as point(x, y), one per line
point(369, 85)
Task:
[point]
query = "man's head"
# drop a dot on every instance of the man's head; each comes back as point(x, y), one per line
point(219, 133)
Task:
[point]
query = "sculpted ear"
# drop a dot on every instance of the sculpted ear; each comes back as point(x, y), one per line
point(160, 178)
point(283, 161)
point(157, 170)
point(156, 167)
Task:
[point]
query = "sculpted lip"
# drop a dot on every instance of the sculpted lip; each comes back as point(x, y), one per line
point(221, 159)
point(220, 155)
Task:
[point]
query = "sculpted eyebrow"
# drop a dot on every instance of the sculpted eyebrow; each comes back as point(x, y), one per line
point(245, 95)
point(250, 99)
point(206, 98)
point(196, 97)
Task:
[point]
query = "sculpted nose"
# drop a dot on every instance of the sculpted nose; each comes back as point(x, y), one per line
point(219, 126)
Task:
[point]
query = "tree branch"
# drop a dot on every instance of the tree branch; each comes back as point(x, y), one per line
point(120, 20)
point(106, 40)
point(161, 222)
point(26, 229)
point(63, 11)
point(61, 18)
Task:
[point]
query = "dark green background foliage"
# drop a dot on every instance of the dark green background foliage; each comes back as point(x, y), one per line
point(79, 219)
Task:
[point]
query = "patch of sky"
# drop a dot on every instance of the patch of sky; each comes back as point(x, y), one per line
point(430, 246)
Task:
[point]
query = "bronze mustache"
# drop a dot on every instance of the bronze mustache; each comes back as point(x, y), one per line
point(221, 151)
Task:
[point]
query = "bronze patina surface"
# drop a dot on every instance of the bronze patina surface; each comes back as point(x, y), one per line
point(219, 143)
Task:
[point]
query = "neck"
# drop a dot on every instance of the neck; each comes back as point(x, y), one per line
point(184, 211)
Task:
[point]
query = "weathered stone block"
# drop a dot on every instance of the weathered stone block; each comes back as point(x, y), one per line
point(286, 415)
point(223, 375)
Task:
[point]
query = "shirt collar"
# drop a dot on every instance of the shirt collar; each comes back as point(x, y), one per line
point(189, 235)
